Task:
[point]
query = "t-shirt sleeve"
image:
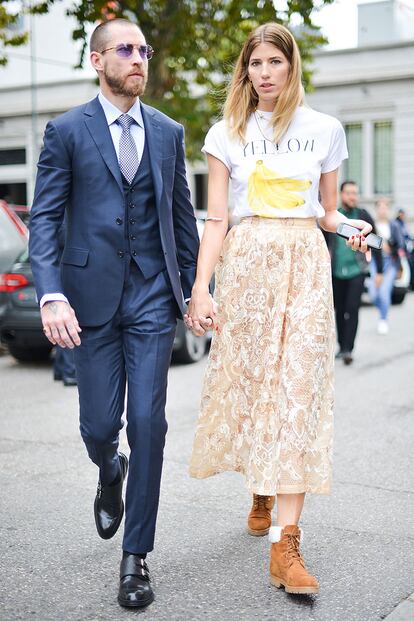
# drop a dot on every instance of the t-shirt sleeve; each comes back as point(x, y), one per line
point(337, 150)
point(216, 144)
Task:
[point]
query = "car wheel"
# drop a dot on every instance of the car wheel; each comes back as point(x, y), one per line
point(25, 354)
point(192, 348)
point(398, 296)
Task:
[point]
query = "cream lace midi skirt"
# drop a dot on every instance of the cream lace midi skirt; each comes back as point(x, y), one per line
point(267, 399)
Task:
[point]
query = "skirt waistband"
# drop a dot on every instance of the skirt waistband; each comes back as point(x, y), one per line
point(297, 223)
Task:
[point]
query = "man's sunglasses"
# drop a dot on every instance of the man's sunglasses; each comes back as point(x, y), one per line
point(125, 50)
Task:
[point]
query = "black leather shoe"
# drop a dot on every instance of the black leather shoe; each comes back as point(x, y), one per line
point(134, 588)
point(109, 506)
point(70, 381)
point(347, 358)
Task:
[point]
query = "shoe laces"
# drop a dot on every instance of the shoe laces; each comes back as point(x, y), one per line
point(292, 549)
point(259, 502)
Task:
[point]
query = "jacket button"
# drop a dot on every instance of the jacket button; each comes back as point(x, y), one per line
point(132, 237)
point(134, 253)
point(119, 220)
point(132, 221)
point(131, 206)
point(120, 253)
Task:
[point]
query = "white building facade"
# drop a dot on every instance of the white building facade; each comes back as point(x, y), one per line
point(371, 91)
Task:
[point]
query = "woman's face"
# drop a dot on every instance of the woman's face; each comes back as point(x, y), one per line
point(268, 71)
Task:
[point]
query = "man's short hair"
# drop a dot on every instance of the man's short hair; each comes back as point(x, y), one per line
point(347, 182)
point(102, 35)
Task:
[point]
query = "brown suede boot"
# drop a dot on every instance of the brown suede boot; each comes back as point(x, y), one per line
point(287, 567)
point(260, 516)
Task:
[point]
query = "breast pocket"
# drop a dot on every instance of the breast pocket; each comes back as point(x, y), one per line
point(75, 256)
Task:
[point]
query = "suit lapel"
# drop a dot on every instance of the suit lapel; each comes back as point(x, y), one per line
point(97, 125)
point(154, 138)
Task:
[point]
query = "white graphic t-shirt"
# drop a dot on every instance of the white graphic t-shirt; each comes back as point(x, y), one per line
point(279, 180)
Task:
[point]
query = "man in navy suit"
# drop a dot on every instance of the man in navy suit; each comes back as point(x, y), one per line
point(115, 169)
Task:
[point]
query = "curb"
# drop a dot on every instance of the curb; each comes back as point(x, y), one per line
point(404, 611)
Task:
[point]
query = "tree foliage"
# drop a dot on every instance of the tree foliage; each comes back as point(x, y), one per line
point(196, 43)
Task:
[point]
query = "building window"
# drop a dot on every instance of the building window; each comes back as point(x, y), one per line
point(353, 165)
point(8, 157)
point(383, 157)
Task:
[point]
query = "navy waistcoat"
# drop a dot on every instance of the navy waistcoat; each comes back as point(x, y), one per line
point(142, 230)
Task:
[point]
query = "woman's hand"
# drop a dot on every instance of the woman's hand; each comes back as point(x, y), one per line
point(358, 242)
point(201, 313)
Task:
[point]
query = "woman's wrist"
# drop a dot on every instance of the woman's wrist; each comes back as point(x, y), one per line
point(200, 289)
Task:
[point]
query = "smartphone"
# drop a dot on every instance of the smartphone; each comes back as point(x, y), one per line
point(346, 230)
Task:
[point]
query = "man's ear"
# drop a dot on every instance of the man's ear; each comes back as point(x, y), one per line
point(96, 61)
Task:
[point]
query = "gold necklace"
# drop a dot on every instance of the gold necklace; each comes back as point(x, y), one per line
point(256, 115)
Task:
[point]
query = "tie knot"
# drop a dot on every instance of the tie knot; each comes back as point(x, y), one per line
point(125, 121)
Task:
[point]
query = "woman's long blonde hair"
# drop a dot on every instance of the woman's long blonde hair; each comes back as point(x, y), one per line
point(242, 99)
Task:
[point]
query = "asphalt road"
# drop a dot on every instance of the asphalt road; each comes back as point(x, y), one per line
point(359, 541)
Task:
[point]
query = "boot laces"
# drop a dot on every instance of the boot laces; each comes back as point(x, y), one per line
point(293, 553)
point(259, 502)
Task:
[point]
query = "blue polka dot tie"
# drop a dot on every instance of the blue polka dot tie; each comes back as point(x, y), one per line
point(128, 154)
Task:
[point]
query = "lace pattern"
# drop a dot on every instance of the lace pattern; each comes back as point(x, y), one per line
point(267, 399)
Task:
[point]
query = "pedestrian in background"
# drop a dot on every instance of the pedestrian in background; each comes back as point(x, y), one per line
point(349, 271)
point(393, 248)
point(267, 399)
point(401, 221)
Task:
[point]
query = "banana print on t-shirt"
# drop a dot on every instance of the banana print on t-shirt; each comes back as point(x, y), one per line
point(268, 192)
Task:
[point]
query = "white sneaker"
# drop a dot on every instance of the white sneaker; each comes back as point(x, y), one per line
point(382, 327)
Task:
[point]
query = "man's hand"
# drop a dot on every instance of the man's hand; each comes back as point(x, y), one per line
point(60, 324)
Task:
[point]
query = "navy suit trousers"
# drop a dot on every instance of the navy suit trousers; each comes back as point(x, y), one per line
point(133, 349)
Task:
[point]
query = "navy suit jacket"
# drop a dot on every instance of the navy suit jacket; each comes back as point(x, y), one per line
point(79, 178)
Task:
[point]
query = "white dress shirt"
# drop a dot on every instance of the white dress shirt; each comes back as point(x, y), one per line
point(137, 132)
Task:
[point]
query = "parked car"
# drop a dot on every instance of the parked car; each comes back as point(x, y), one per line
point(23, 211)
point(21, 326)
point(13, 236)
point(20, 323)
point(402, 283)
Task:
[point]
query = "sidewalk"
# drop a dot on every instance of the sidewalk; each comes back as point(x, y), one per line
point(359, 541)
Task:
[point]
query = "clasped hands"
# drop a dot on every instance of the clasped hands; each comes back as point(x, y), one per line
point(201, 314)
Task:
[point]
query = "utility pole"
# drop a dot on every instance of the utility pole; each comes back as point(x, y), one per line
point(33, 101)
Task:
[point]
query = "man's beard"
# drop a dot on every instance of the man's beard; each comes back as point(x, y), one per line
point(119, 87)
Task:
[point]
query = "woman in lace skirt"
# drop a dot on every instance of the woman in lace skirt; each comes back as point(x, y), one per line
point(267, 400)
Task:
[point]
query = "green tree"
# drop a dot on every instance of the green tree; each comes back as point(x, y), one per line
point(196, 43)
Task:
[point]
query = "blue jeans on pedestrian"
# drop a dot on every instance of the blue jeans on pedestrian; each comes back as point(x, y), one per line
point(381, 296)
